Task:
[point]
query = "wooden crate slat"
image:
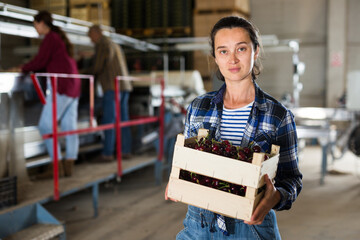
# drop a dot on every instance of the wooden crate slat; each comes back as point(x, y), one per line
point(219, 167)
point(213, 200)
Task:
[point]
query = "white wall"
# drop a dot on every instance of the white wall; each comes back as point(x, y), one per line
point(304, 20)
point(307, 21)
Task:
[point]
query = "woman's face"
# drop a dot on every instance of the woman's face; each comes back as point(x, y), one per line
point(234, 54)
point(40, 27)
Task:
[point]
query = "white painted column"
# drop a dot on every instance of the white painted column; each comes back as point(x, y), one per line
point(336, 50)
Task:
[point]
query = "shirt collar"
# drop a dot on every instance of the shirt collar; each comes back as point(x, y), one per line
point(260, 100)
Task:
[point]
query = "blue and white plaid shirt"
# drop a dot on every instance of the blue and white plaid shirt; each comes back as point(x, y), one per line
point(269, 123)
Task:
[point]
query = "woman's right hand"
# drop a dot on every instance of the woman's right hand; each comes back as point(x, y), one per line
point(166, 195)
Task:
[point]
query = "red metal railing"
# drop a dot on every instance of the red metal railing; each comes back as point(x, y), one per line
point(140, 121)
point(55, 135)
point(117, 125)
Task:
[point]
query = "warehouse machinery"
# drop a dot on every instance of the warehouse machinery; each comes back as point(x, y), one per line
point(21, 146)
point(17, 21)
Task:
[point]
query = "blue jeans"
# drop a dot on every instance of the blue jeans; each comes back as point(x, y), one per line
point(109, 117)
point(67, 111)
point(201, 224)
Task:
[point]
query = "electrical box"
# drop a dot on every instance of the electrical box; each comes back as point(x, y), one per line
point(352, 92)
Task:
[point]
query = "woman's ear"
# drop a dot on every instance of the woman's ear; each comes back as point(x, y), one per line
point(256, 53)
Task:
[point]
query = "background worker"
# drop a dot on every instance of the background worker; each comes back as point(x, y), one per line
point(56, 56)
point(109, 61)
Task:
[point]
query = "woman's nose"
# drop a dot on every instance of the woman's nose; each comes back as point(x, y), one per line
point(233, 58)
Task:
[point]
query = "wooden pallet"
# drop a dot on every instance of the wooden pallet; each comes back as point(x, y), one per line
point(216, 6)
point(149, 32)
point(84, 3)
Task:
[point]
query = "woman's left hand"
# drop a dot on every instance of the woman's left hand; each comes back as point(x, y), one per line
point(14, 69)
point(270, 199)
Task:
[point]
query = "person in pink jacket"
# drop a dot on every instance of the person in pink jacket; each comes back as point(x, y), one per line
point(55, 55)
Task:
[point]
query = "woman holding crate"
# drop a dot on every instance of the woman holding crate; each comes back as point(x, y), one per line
point(263, 121)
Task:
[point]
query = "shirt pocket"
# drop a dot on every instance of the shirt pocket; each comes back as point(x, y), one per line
point(263, 138)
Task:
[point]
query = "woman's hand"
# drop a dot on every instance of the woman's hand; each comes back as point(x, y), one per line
point(14, 69)
point(270, 199)
point(166, 196)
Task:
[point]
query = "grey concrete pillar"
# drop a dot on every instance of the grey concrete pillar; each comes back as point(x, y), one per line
point(336, 51)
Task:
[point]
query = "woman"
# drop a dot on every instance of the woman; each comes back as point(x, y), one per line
point(55, 56)
point(235, 47)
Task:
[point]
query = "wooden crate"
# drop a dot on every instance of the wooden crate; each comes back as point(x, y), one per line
point(216, 5)
point(203, 22)
point(250, 175)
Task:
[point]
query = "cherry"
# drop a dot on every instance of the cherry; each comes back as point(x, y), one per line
point(212, 182)
point(242, 155)
point(247, 151)
point(256, 149)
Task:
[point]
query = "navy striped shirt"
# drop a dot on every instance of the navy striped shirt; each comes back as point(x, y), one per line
point(233, 123)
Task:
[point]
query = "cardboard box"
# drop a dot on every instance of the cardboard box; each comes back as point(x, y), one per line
point(80, 13)
point(100, 16)
point(104, 3)
point(204, 63)
point(216, 5)
point(203, 22)
point(44, 4)
point(234, 171)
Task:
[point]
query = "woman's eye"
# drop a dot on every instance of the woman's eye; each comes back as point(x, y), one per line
point(223, 52)
point(241, 49)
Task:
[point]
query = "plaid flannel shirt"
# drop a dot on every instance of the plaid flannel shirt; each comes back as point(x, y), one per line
point(269, 123)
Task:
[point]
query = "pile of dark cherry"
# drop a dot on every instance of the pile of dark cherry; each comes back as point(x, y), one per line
point(223, 148)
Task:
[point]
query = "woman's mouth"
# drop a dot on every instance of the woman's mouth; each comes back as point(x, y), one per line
point(234, 70)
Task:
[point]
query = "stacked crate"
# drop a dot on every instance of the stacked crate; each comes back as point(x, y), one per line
point(95, 11)
point(153, 18)
point(206, 14)
point(120, 14)
point(53, 6)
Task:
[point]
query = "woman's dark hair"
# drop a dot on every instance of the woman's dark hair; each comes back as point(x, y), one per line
point(45, 17)
point(237, 22)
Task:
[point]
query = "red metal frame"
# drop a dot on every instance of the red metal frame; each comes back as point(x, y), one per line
point(117, 125)
point(55, 135)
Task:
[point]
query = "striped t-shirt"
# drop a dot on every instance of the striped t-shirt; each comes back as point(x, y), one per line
point(233, 123)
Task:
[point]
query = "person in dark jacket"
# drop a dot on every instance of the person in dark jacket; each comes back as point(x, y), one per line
point(109, 61)
point(55, 55)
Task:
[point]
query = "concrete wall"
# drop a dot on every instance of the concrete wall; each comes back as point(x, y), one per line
point(293, 19)
point(307, 21)
point(353, 37)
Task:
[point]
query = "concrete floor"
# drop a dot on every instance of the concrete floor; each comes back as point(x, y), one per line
point(136, 209)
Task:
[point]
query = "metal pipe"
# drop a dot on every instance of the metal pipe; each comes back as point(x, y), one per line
point(91, 96)
point(55, 138)
point(118, 128)
point(162, 122)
